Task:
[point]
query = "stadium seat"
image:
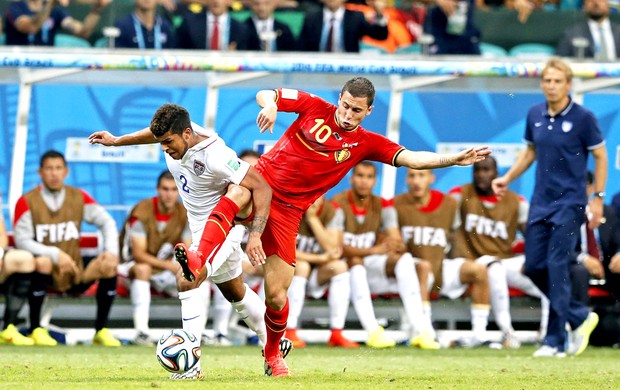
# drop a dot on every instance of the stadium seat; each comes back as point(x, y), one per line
point(102, 43)
point(66, 40)
point(489, 50)
point(2, 39)
point(536, 50)
point(414, 48)
point(371, 49)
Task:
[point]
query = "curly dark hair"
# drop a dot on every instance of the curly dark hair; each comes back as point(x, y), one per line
point(170, 117)
point(360, 87)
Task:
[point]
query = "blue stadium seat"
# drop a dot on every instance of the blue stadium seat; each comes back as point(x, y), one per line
point(537, 50)
point(489, 50)
point(66, 40)
point(414, 48)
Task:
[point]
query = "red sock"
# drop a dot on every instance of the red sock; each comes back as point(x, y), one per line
point(275, 322)
point(216, 228)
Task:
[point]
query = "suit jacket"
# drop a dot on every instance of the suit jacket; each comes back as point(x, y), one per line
point(354, 24)
point(609, 235)
point(192, 33)
point(285, 41)
point(565, 46)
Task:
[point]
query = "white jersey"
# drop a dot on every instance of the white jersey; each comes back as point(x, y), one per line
point(202, 176)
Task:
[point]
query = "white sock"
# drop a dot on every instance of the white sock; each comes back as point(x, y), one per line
point(544, 314)
point(338, 299)
point(193, 312)
point(205, 296)
point(251, 309)
point(261, 290)
point(221, 313)
point(409, 291)
point(428, 312)
point(360, 296)
point(296, 297)
point(140, 293)
point(500, 298)
point(479, 320)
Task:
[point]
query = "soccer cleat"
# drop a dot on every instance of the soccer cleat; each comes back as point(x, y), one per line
point(277, 366)
point(143, 339)
point(549, 351)
point(104, 337)
point(191, 261)
point(510, 340)
point(474, 342)
point(291, 334)
point(12, 336)
point(286, 346)
point(424, 341)
point(42, 337)
point(338, 340)
point(194, 373)
point(222, 341)
point(580, 337)
point(378, 339)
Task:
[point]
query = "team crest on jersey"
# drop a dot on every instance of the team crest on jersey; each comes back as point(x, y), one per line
point(342, 155)
point(567, 126)
point(199, 167)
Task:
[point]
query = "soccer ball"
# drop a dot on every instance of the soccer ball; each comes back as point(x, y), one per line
point(178, 351)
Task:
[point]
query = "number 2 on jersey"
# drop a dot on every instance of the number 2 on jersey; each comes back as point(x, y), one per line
point(183, 180)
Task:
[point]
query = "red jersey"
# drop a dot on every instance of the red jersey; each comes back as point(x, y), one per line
point(314, 153)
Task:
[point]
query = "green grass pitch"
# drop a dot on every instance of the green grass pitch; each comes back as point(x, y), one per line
point(315, 367)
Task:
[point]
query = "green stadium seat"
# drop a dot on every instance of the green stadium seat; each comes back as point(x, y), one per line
point(414, 48)
point(66, 40)
point(537, 50)
point(489, 50)
point(101, 43)
point(371, 49)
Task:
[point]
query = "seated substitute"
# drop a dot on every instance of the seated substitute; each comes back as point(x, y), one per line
point(16, 267)
point(147, 241)
point(427, 219)
point(36, 22)
point(319, 267)
point(488, 231)
point(48, 223)
point(376, 256)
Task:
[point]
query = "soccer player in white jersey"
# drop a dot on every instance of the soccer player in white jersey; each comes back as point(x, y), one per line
point(206, 171)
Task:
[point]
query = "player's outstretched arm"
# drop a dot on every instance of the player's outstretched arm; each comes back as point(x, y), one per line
point(430, 160)
point(139, 137)
point(266, 99)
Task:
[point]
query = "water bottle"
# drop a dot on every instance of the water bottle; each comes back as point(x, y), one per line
point(458, 20)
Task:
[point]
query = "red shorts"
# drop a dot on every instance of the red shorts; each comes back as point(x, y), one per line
point(280, 235)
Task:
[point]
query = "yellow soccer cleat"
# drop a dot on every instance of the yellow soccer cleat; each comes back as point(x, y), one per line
point(12, 336)
point(378, 339)
point(424, 341)
point(42, 337)
point(104, 337)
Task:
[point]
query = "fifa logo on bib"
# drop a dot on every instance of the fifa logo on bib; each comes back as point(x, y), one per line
point(199, 167)
point(567, 126)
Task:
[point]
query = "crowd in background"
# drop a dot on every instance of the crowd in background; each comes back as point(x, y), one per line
point(427, 26)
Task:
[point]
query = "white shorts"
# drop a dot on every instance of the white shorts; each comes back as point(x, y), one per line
point(451, 286)
point(514, 264)
point(227, 261)
point(314, 289)
point(378, 281)
point(163, 281)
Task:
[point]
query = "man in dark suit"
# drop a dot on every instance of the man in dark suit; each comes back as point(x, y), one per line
point(335, 29)
point(264, 32)
point(602, 36)
point(211, 28)
point(590, 252)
